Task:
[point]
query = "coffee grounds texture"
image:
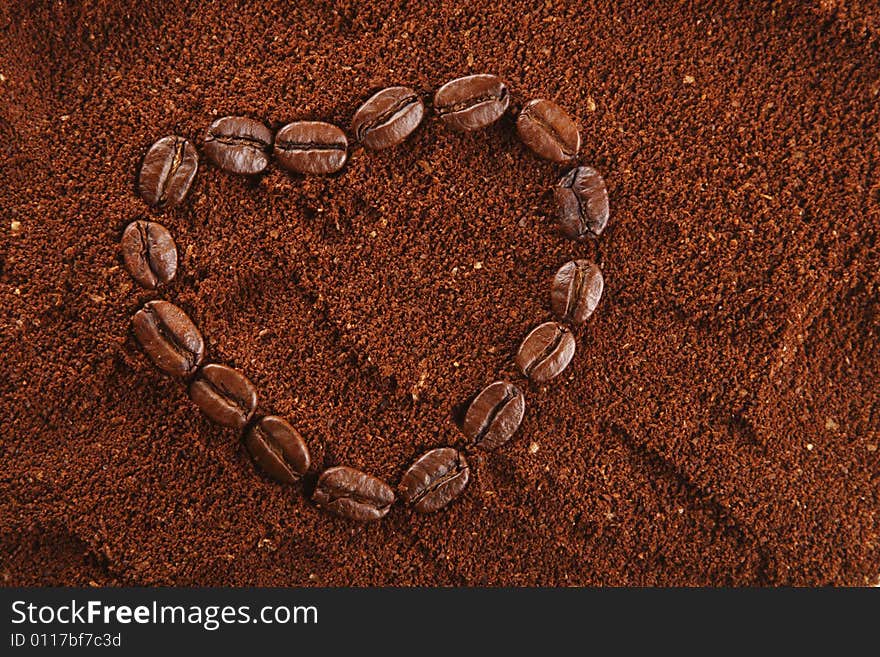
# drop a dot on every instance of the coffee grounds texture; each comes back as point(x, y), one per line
point(719, 424)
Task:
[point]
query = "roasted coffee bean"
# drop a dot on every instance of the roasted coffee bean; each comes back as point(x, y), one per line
point(434, 480)
point(472, 102)
point(576, 290)
point(388, 117)
point(544, 127)
point(494, 415)
point(169, 338)
point(238, 145)
point(353, 494)
point(278, 448)
point(149, 253)
point(583, 203)
point(546, 352)
point(311, 147)
point(167, 172)
point(225, 395)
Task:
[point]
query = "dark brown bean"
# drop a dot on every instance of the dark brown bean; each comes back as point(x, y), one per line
point(388, 117)
point(546, 352)
point(169, 338)
point(225, 395)
point(583, 203)
point(311, 147)
point(149, 253)
point(434, 480)
point(576, 290)
point(278, 448)
point(238, 145)
point(167, 172)
point(494, 415)
point(353, 494)
point(544, 127)
point(472, 102)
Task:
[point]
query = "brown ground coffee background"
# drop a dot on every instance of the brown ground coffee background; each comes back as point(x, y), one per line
point(718, 425)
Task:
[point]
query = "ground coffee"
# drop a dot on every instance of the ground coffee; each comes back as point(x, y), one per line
point(721, 426)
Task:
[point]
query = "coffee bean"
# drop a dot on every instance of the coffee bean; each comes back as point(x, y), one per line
point(167, 172)
point(546, 352)
point(238, 145)
point(434, 480)
point(472, 102)
point(353, 494)
point(311, 147)
point(169, 338)
point(494, 415)
point(149, 253)
point(388, 117)
point(225, 395)
point(544, 127)
point(278, 448)
point(576, 290)
point(583, 203)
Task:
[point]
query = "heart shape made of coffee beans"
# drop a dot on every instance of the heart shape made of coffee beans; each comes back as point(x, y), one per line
point(244, 146)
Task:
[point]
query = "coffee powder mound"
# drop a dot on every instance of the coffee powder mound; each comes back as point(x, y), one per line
point(720, 420)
